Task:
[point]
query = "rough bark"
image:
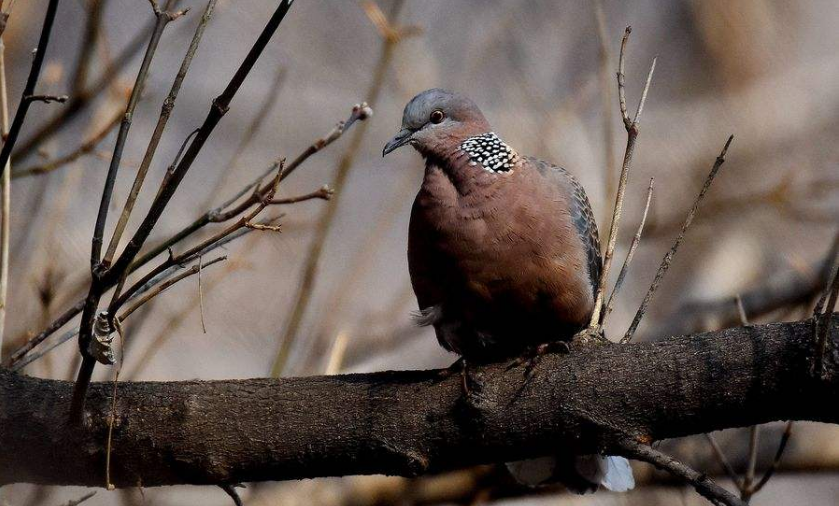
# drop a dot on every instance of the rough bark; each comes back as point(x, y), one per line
point(413, 422)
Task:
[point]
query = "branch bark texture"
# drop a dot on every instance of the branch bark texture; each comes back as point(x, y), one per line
point(595, 398)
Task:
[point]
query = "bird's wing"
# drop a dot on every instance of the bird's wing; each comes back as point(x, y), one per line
point(581, 214)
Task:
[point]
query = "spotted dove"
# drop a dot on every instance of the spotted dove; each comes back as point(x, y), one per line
point(503, 253)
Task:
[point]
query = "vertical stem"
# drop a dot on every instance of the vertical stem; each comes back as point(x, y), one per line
point(5, 225)
point(307, 284)
point(31, 81)
point(163, 19)
point(166, 111)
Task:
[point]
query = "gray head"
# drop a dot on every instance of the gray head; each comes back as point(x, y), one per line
point(436, 121)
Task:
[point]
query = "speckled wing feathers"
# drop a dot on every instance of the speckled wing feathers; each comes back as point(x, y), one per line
point(581, 214)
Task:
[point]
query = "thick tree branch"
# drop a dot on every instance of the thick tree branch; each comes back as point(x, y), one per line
point(593, 399)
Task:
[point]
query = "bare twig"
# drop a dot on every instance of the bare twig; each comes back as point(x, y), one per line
point(154, 141)
point(158, 289)
point(632, 247)
point(5, 220)
point(201, 293)
point(224, 212)
point(79, 99)
point(201, 248)
point(323, 193)
point(249, 135)
point(777, 460)
point(722, 460)
point(86, 148)
point(219, 108)
point(391, 38)
point(140, 297)
point(163, 20)
point(31, 81)
point(668, 258)
point(605, 75)
point(113, 414)
point(47, 99)
point(359, 113)
point(703, 485)
point(749, 478)
point(632, 128)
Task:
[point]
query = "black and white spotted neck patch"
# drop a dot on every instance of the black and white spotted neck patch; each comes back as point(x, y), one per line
point(491, 152)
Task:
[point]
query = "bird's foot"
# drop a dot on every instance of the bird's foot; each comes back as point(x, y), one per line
point(590, 336)
point(531, 358)
point(456, 368)
point(470, 382)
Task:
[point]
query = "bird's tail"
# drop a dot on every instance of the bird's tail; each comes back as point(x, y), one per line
point(579, 473)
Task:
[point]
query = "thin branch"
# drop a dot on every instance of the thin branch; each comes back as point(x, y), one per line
point(703, 485)
point(632, 129)
point(360, 112)
point(259, 226)
point(155, 283)
point(79, 99)
point(157, 134)
point(323, 193)
point(5, 220)
point(627, 123)
point(200, 249)
point(47, 99)
point(605, 75)
point(29, 89)
point(632, 247)
point(722, 460)
point(201, 293)
point(749, 478)
point(777, 460)
point(249, 135)
point(122, 136)
point(160, 288)
point(219, 108)
point(86, 148)
point(668, 258)
point(308, 275)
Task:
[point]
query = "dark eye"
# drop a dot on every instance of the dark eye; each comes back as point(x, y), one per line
point(437, 116)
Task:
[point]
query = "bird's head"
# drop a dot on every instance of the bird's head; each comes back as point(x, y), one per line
point(436, 121)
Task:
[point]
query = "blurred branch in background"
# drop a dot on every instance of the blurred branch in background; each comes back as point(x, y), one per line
point(391, 36)
point(82, 98)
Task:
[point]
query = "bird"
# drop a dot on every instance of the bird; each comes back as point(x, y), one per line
point(503, 256)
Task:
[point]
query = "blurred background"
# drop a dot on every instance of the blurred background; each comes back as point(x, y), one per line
point(543, 73)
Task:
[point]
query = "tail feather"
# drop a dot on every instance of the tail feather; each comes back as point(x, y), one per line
point(579, 473)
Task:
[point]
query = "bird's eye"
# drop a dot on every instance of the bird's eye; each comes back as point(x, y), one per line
point(437, 116)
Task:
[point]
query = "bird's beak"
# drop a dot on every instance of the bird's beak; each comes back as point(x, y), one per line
point(402, 138)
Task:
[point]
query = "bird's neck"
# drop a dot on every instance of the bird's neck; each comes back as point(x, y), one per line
point(477, 166)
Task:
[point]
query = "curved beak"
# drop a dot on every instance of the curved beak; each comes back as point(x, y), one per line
point(402, 138)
